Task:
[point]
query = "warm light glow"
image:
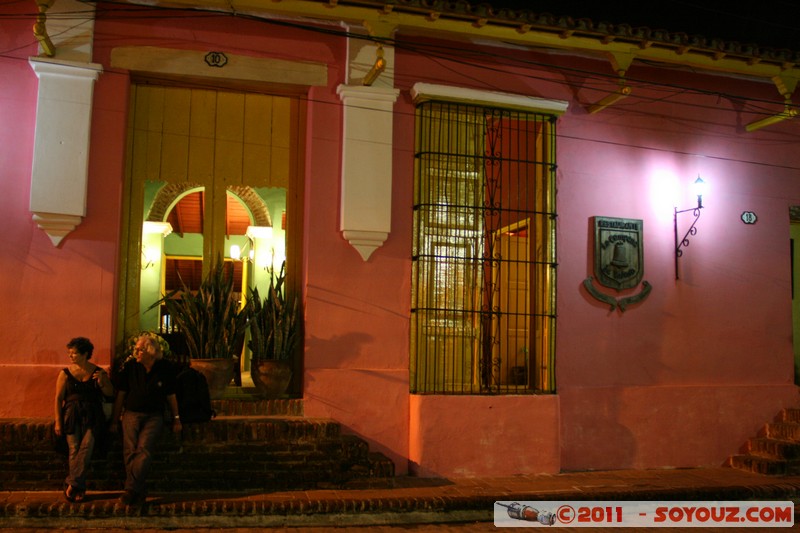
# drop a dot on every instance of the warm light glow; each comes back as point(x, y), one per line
point(663, 193)
point(236, 252)
point(259, 232)
point(699, 187)
point(152, 254)
point(150, 257)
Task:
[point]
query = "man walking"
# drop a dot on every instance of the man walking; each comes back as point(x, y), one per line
point(145, 386)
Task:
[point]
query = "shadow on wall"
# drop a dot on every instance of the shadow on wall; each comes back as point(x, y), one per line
point(595, 435)
point(343, 347)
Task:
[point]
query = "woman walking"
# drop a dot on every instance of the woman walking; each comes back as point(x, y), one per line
point(79, 416)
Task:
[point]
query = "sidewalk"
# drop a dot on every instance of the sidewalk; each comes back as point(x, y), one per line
point(404, 500)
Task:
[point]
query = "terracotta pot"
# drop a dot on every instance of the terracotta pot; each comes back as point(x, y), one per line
point(218, 374)
point(271, 377)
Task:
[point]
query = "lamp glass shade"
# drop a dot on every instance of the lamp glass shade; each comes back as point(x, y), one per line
point(699, 187)
point(151, 255)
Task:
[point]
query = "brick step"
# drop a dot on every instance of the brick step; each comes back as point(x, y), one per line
point(239, 429)
point(775, 451)
point(241, 452)
point(346, 448)
point(37, 433)
point(789, 431)
point(771, 448)
point(758, 465)
point(789, 415)
point(173, 471)
point(243, 404)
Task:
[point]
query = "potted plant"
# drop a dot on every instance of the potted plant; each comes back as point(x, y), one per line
point(274, 334)
point(213, 325)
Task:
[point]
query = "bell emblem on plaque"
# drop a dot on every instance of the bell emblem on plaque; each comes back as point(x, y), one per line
point(620, 258)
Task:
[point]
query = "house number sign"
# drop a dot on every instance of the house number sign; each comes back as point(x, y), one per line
point(216, 59)
point(748, 217)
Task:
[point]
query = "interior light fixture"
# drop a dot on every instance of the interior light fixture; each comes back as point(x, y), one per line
point(699, 188)
point(237, 252)
point(149, 257)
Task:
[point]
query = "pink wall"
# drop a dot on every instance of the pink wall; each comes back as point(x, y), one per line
point(484, 436)
point(52, 294)
point(356, 359)
point(641, 389)
point(681, 379)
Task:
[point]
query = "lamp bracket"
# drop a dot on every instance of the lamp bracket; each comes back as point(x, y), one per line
point(690, 232)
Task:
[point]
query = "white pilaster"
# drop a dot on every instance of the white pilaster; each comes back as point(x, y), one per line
point(366, 181)
point(152, 267)
point(264, 258)
point(61, 144)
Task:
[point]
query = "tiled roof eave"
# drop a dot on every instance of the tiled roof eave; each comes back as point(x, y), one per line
point(459, 18)
point(483, 14)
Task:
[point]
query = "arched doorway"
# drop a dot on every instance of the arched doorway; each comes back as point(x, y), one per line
point(232, 159)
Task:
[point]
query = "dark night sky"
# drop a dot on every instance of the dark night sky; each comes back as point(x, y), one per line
point(767, 23)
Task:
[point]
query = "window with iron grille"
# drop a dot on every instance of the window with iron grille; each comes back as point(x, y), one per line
point(483, 289)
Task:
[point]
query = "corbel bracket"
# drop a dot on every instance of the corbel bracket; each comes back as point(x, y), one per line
point(620, 63)
point(786, 86)
point(40, 28)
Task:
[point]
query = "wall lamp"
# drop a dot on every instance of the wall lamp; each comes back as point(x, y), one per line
point(149, 257)
point(699, 189)
point(236, 252)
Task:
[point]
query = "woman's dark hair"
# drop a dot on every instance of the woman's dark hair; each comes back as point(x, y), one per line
point(82, 345)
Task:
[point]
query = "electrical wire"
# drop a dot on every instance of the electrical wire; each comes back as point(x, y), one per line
point(447, 57)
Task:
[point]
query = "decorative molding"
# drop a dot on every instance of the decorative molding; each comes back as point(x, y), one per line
point(614, 303)
point(170, 192)
point(152, 228)
point(59, 176)
point(365, 242)
point(56, 226)
point(366, 181)
point(174, 62)
point(422, 92)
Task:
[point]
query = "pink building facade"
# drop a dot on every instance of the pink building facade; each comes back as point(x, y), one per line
point(679, 379)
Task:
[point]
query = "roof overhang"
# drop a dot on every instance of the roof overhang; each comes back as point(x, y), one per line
point(621, 45)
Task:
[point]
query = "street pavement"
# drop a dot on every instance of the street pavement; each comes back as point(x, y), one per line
point(401, 504)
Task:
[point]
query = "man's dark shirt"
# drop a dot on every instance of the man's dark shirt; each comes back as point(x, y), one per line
point(146, 392)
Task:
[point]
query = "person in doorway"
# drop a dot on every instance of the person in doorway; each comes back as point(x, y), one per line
point(145, 388)
point(79, 416)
